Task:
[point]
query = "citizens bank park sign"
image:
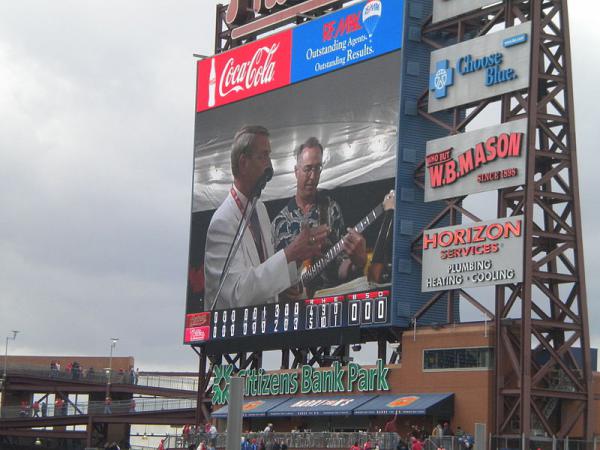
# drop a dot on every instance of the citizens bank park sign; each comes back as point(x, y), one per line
point(472, 255)
point(482, 160)
point(334, 379)
point(334, 41)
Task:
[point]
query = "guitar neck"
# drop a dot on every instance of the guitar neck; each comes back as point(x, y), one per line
point(334, 251)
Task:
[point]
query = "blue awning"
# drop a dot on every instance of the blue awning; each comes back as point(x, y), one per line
point(409, 404)
point(257, 407)
point(340, 405)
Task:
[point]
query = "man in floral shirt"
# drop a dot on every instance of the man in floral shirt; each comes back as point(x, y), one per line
point(311, 208)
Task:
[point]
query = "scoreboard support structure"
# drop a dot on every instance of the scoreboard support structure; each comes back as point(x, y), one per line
point(543, 376)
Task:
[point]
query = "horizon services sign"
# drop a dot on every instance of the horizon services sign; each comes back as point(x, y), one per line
point(334, 379)
point(477, 161)
point(336, 40)
point(473, 255)
point(446, 9)
point(484, 67)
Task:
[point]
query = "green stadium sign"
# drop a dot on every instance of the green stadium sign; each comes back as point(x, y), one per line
point(334, 379)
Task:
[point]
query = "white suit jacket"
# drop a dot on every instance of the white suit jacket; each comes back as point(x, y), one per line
point(249, 282)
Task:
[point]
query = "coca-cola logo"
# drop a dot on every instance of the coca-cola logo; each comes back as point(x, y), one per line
point(260, 70)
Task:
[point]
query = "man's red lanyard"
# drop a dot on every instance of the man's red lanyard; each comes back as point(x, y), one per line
point(254, 226)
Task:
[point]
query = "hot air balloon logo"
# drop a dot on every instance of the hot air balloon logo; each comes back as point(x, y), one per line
point(371, 15)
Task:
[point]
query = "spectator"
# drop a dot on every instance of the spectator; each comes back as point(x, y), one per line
point(58, 406)
point(355, 446)
point(415, 443)
point(107, 405)
point(24, 411)
point(202, 445)
point(367, 445)
point(132, 377)
point(44, 408)
point(90, 374)
point(391, 426)
point(446, 430)
point(212, 435)
point(36, 409)
point(161, 445)
point(132, 406)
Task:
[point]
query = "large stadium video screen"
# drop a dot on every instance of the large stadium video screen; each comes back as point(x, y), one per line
point(335, 83)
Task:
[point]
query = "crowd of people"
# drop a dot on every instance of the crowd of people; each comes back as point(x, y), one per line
point(75, 371)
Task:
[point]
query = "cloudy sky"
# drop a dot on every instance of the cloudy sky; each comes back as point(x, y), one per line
point(96, 134)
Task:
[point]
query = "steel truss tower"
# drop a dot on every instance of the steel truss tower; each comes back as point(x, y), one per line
point(543, 379)
point(543, 375)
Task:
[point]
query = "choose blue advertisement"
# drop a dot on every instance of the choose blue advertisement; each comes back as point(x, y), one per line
point(357, 33)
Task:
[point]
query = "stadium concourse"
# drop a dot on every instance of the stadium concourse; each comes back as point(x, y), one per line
point(71, 403)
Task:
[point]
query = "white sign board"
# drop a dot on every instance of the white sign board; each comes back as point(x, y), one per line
point(445, 9)
point(473, 255)
point(481, 160)
point(480, 68)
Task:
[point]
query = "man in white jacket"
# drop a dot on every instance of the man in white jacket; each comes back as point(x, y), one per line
point(257, 273)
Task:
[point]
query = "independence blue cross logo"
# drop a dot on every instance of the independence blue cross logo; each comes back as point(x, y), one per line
point(441, 79)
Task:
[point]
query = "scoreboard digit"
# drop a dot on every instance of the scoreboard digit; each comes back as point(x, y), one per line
point(360, 309)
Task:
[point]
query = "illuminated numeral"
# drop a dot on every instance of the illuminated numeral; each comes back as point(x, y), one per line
point(223, 330)
point(215, 331)
point(224, 316)
point(296, 308)
point(216, 317)
point(254, 313)
point(253, 327)
point(245, 314)
point(323, 316)
point(381, 312)
point(286, 324)
point(368, 308)
point(233, 315)
point(277, 311)
point(286, 310)
point(275, 325)
point(263, 326)
point(245, 328)
point(354, 313)
point(335, 314)
point(295, 323)
point(232, 328)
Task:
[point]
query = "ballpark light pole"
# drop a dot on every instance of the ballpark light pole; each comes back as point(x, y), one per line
point(8, 338)
point(113, 344)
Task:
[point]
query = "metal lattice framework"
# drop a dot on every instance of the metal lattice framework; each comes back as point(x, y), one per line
point(543, 369)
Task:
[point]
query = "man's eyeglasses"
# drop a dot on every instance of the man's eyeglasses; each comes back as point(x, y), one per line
point(314, 169)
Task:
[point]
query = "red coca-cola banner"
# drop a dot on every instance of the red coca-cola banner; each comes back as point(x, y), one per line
point(246, 71)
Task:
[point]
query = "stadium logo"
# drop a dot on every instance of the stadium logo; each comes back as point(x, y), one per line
point(250, 406)
point(401, 402)
point(371, 15)
point(260, 70)
point(441, 79)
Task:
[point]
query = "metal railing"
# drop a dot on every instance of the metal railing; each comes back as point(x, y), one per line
point(299, 440)
point(101, 377)
point(542, 443)
point(137, 405)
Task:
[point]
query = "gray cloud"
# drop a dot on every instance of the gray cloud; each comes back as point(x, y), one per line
point(96, 134)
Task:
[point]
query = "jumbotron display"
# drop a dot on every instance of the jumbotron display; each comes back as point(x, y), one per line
point(308, 119)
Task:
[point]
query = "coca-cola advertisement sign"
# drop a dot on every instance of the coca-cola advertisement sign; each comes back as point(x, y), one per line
point(249, 70)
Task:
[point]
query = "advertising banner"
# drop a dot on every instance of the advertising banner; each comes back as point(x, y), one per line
point(339, 39)
point(346, 37)
point(480, 68)
point(482, 160)
point(445, 9)
point(473, 255)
